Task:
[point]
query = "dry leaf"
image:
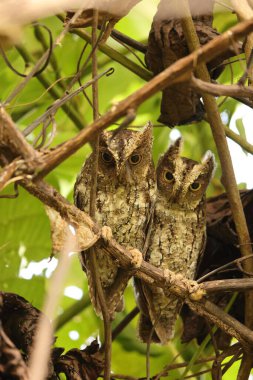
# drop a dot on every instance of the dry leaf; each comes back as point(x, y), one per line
point(85, 238)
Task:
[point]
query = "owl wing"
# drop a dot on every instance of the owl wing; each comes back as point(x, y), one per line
point(201, 253)
point(158, 313)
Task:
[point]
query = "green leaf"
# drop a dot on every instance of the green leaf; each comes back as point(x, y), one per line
point(241, 129)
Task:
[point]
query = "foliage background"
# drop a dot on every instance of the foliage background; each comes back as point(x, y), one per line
point(25, 244)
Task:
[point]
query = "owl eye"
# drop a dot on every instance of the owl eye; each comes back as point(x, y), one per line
point(195, 186)
point(135, 159)
point(168, 176)
point(106, 157)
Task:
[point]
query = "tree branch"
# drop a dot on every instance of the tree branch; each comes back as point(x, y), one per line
point(234, 90)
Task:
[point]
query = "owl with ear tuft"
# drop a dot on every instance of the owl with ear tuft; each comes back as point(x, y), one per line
point(126, 191)
point(177, 237)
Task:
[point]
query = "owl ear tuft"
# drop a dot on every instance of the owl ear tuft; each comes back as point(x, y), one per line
point(208, 162)
point(147, 130)
point(175, 148)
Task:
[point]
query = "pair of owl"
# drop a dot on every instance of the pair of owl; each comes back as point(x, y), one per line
point(133, 199)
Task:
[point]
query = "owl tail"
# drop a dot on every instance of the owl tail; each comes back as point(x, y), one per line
point(159, 327)
point(164, 324)
point(146, 332)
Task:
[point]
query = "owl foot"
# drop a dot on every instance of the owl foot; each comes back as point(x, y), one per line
point(196, 293)
point(106, 234)
point(194, 290)
point(172, 277)
point(136, 258)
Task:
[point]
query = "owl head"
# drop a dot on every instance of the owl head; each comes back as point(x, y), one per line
point(127, 156)
point(181, 181)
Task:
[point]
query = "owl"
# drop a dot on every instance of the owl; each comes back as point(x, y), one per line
point(178, 236)
point(126, 191)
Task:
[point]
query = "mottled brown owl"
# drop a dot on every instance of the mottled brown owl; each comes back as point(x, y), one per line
point(177, 237)
point(126, 190)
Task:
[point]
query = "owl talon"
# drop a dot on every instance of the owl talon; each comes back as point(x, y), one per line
point(106, 234)
point(136, 258)
point(196, 293)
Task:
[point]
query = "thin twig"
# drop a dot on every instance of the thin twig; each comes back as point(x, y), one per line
point(235, 90)
point(173, 366)
point(53, 62)
point(49, 51)
point(129, 41)
point(57, 42)
point(60, 102)
point(225, 266)
point(93, 200)
point(228, 176)
point(71, 312)
point(70, 111)
point(128, 318)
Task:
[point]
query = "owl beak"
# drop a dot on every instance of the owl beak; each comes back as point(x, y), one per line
point(124, 173)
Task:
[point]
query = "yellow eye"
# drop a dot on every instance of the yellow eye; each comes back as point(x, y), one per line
point(195, 186)
point(106, 157)
point(168, 176)
point(135, 159)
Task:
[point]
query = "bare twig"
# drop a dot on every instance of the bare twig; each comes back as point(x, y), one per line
point(71, 312)
point(49, 51)
point(173, 366)
point(59, 103)
point(93, 198)
point(70, 111)
point(53, 62)
point(220, 89)
point(128, 318)
point(129, 41)
point(35, 69)
point(225, 266)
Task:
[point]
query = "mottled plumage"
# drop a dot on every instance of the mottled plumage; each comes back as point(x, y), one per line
point(126, 190)
point(177, 236)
